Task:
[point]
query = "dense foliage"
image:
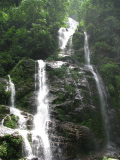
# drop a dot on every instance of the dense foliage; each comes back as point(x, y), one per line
point(29, 29)
point(10, 147)
point(101, 19)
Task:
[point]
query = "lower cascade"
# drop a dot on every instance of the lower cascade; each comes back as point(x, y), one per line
point(40, 138)
point(27, 150)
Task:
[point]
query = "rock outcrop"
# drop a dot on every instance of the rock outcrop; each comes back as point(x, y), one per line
point(74, 105)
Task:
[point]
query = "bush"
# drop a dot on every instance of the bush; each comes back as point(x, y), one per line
point(10, 147)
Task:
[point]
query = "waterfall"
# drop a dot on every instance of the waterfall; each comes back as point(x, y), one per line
point(40, 139)
point(22, 121)
point(35, 75)
point(66, 33)
point(12, 89)
point(100, 87)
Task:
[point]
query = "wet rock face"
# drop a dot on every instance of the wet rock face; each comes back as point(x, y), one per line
point(76, 128)
point(75, 109)
point(78, 139)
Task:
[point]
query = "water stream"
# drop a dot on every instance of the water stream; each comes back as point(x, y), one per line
point(27, 150)
point(40, 138)
point(66, 33)
point(100, 87)
point(12, 89)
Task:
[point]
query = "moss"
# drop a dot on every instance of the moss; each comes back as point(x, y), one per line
point(69, 88)
point(89, 117)
point(79, 140)
point(24, 103)
point(78, 40)
point(53, 57)
point(75, 74)
point(61, 114)
point(110, 72)
point(10, 147)
point(23, 76)
point(60, 99)
point(59, 72)
point(11, 121)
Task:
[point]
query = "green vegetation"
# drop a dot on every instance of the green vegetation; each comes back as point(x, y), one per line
point(10, 147)
point(74, 10)
point(4, 110)
point(22, 76)
point(59, 72)
point(11, 121)
point(61, 115)
point(111, 74)
point(101, 20)
point(29, 29)
point(70, 89)
point(4, 94)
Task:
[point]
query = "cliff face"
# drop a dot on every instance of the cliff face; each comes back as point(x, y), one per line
point(77, 125)
point(77, 128)
point(75, 105)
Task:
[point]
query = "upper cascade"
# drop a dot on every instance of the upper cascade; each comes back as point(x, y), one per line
point(66, 33)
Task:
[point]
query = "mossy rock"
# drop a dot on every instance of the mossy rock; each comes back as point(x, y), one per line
point(22, 76)
point(59, 72)
point(11, 121)
point(80, 140)
point(78, 40)
point(4, 110)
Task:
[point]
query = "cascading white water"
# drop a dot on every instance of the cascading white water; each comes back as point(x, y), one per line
point(35, 76)
point(66, 33)
point(12, 89)
point(40, 139)
point(22, 121)
point(100, 86)
point(2, 122)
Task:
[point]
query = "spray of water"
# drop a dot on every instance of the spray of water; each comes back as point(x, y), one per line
point(40, 139)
